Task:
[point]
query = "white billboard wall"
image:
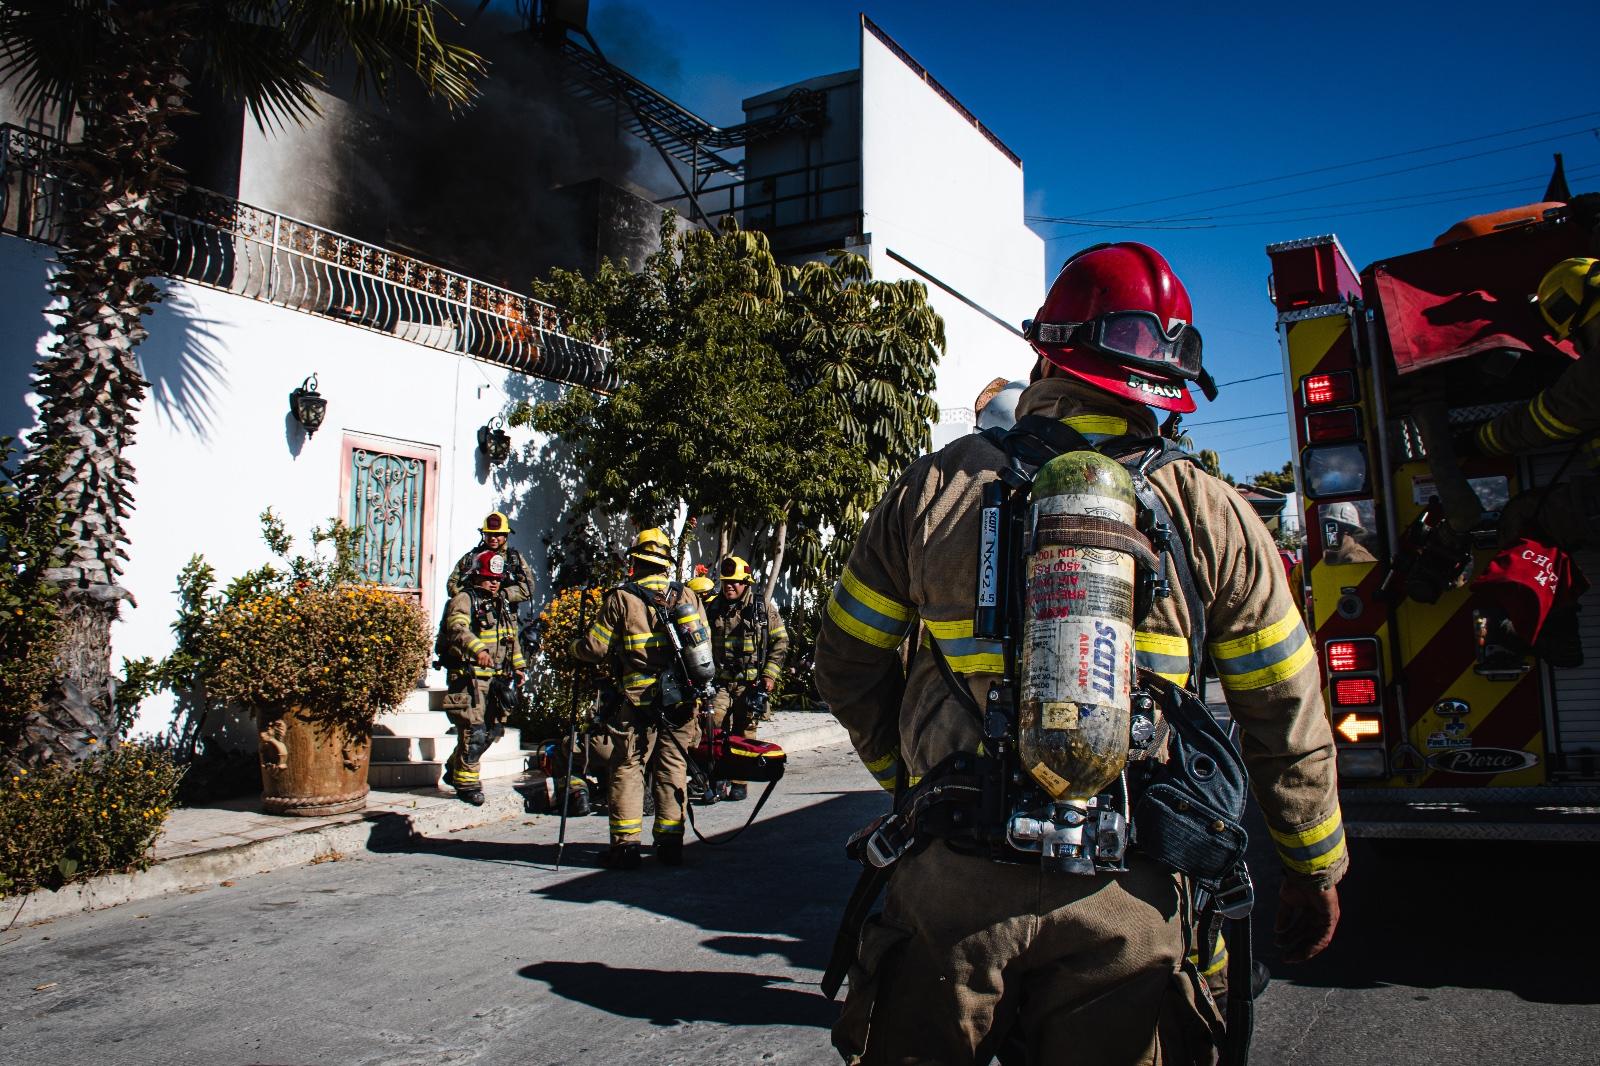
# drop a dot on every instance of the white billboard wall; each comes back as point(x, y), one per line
point(939, 193)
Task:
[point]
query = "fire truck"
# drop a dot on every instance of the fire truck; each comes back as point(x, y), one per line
point(1436, 737)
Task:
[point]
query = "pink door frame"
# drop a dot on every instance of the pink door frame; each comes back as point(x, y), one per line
point(428, 454)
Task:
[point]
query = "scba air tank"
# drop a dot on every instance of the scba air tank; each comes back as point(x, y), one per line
point(695, 641)
point(1077, 637)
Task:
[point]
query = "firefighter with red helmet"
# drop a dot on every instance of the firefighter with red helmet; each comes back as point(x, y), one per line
point(477, 642)
point(494, 535)
point(982, 942)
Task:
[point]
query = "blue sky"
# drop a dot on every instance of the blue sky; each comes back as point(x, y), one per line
point(1111, 105)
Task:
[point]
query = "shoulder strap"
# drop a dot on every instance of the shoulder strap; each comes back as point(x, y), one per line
point(1035, 439)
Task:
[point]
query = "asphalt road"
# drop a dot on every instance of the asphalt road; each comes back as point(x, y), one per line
point(471, 949)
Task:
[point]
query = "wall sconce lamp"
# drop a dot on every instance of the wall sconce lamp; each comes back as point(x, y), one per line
point(308, 406)
point(493, 440)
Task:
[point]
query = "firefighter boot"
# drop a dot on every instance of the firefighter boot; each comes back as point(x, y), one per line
point(621, 857)
point(669, 852)
point(738, 791)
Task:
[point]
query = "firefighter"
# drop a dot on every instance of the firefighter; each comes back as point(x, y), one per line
point(1348, 542)
point(479, 640)
point(750, 643)
point(646, 732)
point(1566, 412)
point(1080, 968)
point(494, 533)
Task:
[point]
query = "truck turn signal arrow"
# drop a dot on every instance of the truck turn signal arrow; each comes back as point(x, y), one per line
point(1358, 727)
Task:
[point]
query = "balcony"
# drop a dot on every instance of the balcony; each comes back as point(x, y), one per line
point(220, 243)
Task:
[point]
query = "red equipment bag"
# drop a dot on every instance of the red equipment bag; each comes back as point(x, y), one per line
point(1528, 580)
point(740, 758)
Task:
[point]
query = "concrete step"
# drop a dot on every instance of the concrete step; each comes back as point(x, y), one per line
point(393, 775)
point(420, 701)
point(436, 749)
point(412, 724)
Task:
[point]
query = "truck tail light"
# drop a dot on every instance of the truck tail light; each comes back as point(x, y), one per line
point(1359, 727)
point(1352, 656)
point(1342, 424)
point(1355, 691)
point(1323, 390)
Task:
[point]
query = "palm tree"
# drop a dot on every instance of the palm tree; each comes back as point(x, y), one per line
point(127, 67)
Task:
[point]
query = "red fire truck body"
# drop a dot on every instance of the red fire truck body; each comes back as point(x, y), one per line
point(1434, 740)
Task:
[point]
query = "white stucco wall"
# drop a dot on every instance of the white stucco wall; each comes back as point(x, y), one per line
point(936, 191)
point(216, 444)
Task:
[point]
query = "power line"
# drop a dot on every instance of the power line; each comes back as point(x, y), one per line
point(1292, 215)
point(1255, 444)
point(1341, 166)
point(1258, 377)
point(1208, 221)
point(1242, 418)
point(1388, 173)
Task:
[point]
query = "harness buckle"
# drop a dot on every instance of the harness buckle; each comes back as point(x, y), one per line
point(1237, 895)
point(881, 842)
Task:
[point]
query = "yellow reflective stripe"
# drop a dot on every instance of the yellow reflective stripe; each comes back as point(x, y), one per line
point(1281, 670)
point(1488, 440)
point(877, 766)
point(1163, 654)
point(1312, 850)
point(477, 645)
point(1265, 657)
point(777, 632)
point(1105, 425)
point(771, 670)
point(518, 661)
point(965, 653)
point(453, 619)
point(656, 582)
point(1543, 415)
point(635, 641)
point(914, 781)
point(885, 606)
point(863, 632)
point(600, 633)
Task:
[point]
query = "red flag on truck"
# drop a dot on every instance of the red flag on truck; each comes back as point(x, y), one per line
point(1529, 580)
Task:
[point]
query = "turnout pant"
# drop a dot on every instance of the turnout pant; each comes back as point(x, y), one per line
point(465, 705)
point(1082, 971)
point(636, 749)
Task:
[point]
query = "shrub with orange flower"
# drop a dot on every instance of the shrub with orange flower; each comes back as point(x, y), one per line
point(304, 632)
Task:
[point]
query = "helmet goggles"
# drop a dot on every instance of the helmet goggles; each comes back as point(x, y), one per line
point(1136, 338)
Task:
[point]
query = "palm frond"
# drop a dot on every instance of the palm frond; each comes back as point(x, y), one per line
point(51, 49)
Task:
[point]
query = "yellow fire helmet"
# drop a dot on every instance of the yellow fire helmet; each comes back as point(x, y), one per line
point(701, 586)
point(496, 523)
point(1569, 295)
point(735, 569)
point(653, 546)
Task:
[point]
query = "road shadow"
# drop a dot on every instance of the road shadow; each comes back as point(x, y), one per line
point(1519, 917)
point(778, 889)
point(674, 997)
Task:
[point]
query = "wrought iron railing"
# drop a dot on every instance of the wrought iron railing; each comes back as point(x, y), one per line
point(218, 242)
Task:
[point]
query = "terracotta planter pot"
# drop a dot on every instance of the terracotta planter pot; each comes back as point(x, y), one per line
point(309, 769)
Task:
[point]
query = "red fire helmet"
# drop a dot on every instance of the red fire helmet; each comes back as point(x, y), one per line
point(489, 564)
point(1118, 318)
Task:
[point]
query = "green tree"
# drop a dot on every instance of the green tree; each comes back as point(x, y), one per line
point(1279, 481)
point(1211, 463)
point(128, 68)
point(863, 355)
point(698, 415)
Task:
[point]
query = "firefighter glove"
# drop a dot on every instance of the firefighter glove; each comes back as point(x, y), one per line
point(1307, 917)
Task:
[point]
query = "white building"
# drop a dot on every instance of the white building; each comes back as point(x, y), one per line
point(905, 175)
point(414, 359)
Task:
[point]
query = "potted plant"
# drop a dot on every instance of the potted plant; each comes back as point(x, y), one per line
point(316, 655)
